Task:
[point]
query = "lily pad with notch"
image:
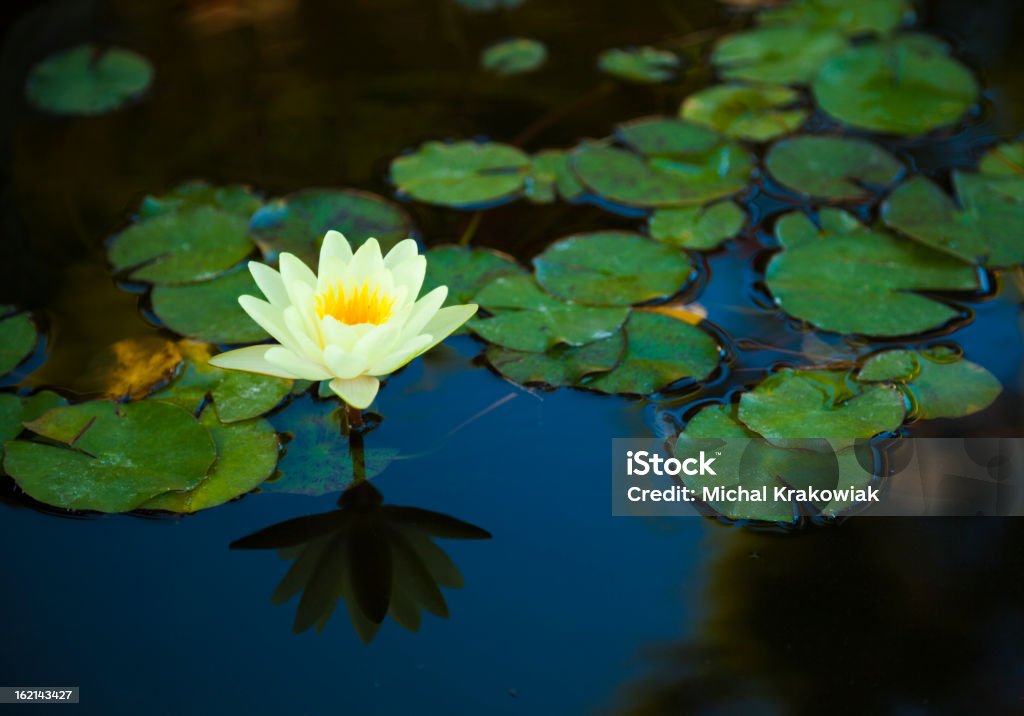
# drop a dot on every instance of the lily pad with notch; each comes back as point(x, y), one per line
point(561, 366)
point(514, 56)
point(879, 17)
point(15, 410)
point(701, 228)
point(209, 310)
point(779, 55)
point(832, 168)
point(88, 80)
point(232, 198)
point(644, 65)
point(755, 112)
point(461, 174)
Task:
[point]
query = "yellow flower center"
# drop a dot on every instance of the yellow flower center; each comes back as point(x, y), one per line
point(358, 305)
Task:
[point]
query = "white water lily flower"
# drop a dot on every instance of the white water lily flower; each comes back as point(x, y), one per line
point(353, 321)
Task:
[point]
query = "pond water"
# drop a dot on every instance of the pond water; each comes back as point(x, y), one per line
point(565, 609)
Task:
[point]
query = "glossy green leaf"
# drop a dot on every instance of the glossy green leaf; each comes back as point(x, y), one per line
point(907, 85)
point(182, 247)
point(233, 198)
point(525, 318)
point(209, 311)
point(660, 351)
point(551, 173)
point(17, 339)
point(863, 281)
point(757, 112)
point(236, 395)
point(87, 80)
point(898, 365)
point(465, 270)
point(645, 65)
point(832, 168)
point(461, 174)
point(514, 56)
point(561, 366)
point(820, 404)
point(701, 228)
point(317, 460)
point(983, 227)
point(111, 457)
point(612, 268)
point(297, 223)
point(246, 456)
point(783, 55)
point(851, 18)
point(15, 410)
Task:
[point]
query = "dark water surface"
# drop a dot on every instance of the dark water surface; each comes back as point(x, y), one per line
point(566, 610)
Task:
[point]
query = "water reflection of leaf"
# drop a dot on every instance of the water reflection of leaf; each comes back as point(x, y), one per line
point(379, 559)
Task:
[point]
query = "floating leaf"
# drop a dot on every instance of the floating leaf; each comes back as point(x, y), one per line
point(612, 268)
point(984, 229)
point(297, 223)
point(15, 410)
point(246, 456)
point(646, 65)
point(832, 168)
point(113, 457)
point(317, 460)
point(820, 404)
point(237, 395)
point(88, 79)
point(465, 270)
point(860, 280)
point(527, 319)
point(907, 85)
point(489, 5)
point(551, 171)
point(700, 228)
point(1004, 160)
point(660, 351)
point(17, 339)
point(851, 18)
point(130, 368)
point(784, 55)
point(941, 382)
point(209, 311)
point(514, 56)
point(233, 198)
point(562, 366)
point(461, 174)
point(182, 247)
point(754, 112)
point(678, 164)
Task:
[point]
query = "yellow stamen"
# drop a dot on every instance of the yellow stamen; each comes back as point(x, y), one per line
point(356, 306)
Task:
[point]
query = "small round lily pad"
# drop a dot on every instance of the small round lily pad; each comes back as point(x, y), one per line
point(232, 198)
point(561, 366)
point(88, 79)
point(782, 55)
point(612, 268)
point(209, 310)
point(832, 168)
point(514, 56)
point(906, 85)
point(757, 112)
point(461, 174)
point(18, 339)
point(297, 223)
point(698, 227)
point(551, 173)
point(645, 65)
point(851, 18)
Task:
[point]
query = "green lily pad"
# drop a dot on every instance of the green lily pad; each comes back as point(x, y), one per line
point(461, 174)
point(982, 228)
point(489, 5)
point(246, 456)
point(514, 56)
point(112, 457)
point(660, 351)
point(820, 404)
point(88, 79)
point(700, 227)
point(182, 247)
point(18, 339)
point(297, 223)
point(1004, 160)
point(678, 164)
point(233, 198)
point(465, 270)
point(317, 460)
point(612, 268)
point(851, 18)
point(236, 395)
point(782, 55)
point(754, 112)
point(907, 85)
point(645, 65)
point(941, 383)
point(527, 319)
point(15, 410)
point(550, 173)
point(832, 168)
point(209, 310)
point(561, 366)
point(859, 280)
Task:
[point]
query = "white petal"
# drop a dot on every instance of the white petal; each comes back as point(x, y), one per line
point(357, 392)
point(423, 310)
point(344, 364)
point(332, 272)
point(409, 274)
point(295, 364)
point(334, 245)
point(400, 253)
point(447, 320)
point(269, 318)
point(270, 284)
point(304, 307)
point(366, 262)
point(250, 359)
point(294, 271)
point(309, 345)
point(379, 341)
point(340, 334)
point(394, 361)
